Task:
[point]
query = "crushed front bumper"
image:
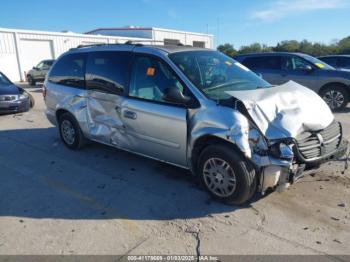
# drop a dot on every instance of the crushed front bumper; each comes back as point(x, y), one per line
point(281, 175)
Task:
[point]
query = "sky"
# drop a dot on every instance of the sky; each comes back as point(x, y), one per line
point(237, 22)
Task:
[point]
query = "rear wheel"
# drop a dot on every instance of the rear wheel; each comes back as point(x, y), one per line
point(31, 80)
point(335, 96)
point(70, 132)
point(226, 175)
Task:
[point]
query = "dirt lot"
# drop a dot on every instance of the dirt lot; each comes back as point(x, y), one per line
point(104, 201)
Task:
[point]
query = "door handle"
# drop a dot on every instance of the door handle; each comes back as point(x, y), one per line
point(129, 114)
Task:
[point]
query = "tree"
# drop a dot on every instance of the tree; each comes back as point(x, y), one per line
point(305, 46)
point(253, 48)
point(344, 45)
point(227, 49)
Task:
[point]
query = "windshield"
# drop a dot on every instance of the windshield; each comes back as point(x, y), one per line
point(215, 73)
point(4, 80)
point(317, 62)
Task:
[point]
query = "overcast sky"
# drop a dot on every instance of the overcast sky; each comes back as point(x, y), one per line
point(234, 21)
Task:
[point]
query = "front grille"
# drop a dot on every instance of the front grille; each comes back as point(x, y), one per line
point(315, 145)
point(7, 98)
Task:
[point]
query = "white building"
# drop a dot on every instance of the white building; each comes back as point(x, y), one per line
point(166, 36)
point(20, 50)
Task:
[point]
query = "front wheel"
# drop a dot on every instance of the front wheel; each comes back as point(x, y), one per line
point(336, 97)
point(226, 175)
point(70, 132)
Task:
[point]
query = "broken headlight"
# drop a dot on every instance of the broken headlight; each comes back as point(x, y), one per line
point(282, 150)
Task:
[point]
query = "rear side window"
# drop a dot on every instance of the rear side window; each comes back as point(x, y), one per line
point(69, 71)
point(344, 62)
point(330, 60)
point(108, 71)
point(263, 62)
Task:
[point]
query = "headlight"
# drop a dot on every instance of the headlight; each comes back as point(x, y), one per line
point(23, 96)
point(282, 150)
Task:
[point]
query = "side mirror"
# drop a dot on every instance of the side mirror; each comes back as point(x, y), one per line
point(35, 68)
point(308, 68)
point(174, 95)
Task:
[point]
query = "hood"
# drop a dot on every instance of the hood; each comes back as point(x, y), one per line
point(10, 89)
point(285, 111)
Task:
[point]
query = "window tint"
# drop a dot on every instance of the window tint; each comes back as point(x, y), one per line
point(150, 77)
point(330, 60)
point(48, 63)
point(344, 62)
point(69, 71)
point(40, 65)
point(108, 71)
point(263, 62)
point(294, 63)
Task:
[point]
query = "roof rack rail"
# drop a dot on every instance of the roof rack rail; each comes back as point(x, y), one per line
point(91, 45)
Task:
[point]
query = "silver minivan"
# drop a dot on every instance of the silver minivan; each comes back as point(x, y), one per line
point(194, 108)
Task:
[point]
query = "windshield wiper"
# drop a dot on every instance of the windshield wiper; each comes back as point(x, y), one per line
point(223, 85)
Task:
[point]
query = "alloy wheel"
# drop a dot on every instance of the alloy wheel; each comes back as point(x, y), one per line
point(219, 177)
point(68, 132)
point(334, 99)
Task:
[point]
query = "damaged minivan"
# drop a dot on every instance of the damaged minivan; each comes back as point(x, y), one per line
point(194, 108)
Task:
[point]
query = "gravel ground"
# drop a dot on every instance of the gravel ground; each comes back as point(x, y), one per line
point(104, 201)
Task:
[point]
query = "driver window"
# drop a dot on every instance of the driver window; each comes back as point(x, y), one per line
point(150, 77)
point(294, 63)
point(40, 65)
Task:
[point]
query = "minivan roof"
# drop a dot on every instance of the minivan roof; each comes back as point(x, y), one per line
point(130, 47)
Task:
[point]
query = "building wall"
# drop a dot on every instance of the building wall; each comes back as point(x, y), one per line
point(185, 38)
point(16, 57)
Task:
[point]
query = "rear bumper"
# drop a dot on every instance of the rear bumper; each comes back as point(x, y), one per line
point(51, 116)
point(9, 107)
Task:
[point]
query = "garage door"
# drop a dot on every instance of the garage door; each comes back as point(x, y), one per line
point(33, 51)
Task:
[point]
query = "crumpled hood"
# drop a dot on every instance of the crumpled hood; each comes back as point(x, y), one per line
point(286, 110)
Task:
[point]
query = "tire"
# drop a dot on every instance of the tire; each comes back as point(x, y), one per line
point(237, 169)
point(335, 96)
point(70, 132)
point(31, 81)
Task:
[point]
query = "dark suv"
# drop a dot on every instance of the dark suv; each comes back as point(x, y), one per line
point(278, 68)
point(38, 73)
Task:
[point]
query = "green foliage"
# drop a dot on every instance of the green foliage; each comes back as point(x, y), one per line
point(314, 49)
point(227, 49)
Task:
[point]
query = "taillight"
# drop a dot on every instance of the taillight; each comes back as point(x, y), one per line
point(44, 91)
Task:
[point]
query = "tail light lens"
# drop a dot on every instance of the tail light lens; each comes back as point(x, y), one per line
point(44, 91)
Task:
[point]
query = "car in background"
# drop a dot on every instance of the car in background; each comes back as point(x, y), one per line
point(279, 67)
point(341, 62)
point(38, 73)
point(13, 99)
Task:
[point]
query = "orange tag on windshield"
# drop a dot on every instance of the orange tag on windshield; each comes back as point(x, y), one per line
point(150, 71)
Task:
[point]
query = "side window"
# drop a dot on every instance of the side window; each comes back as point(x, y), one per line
point(47, 64)
point(263, 62)
point(40, 65)
point(330, 60)
point(69, 71)
point(108, 71)
point(150, 77)
point(344, 62)
point(294, 63)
